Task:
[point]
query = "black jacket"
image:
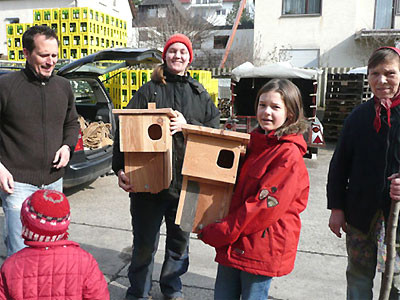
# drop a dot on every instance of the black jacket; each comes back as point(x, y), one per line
point(361, 163)
point(181, 93)
point(37, 117)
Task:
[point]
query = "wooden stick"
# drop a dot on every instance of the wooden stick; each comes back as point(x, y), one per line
point(390, 251)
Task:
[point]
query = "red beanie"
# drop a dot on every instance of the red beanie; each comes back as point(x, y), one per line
point(45, 216)
point(179, 38)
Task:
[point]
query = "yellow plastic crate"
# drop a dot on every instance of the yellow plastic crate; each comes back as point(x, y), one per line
point(10, 42)
point(134, 80)
point(195, 74)
point(10, 30)
point(75, 14)
point(74, 52)
point(11, 54)
point(65, 14)
point(124, 78)
point(88, 27)
point(20, 54)
point(65, 53)
point(66, 40)
point(19, 29)
point(37, 15)
point(56, 27)
point(55, 15)
point(73, 27)
point(144, 76)
point(76, 40)
point(87, 14)
point(18, 42)
point(84, 52)
point(46, 13)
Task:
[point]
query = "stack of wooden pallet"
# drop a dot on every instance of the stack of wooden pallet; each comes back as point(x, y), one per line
point(343, 93)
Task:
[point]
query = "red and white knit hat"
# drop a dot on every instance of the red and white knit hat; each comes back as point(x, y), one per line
point(45, 216)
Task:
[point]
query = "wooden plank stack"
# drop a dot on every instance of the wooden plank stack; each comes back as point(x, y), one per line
point(344, 92)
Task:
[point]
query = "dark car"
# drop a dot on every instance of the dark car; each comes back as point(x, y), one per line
point(94, 104)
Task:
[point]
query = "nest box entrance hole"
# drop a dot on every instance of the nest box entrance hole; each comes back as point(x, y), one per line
point(155, 132)
point(225, 159)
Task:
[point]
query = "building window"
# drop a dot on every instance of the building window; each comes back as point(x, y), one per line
point(151, 13)
point(162, 12)
point(221, 12)
point(143, 36)
point(302, 7)
point(397, 7)
point(196, 42)
point(220, 41)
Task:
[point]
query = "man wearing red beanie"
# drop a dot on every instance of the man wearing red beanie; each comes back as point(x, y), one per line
point(170, 86)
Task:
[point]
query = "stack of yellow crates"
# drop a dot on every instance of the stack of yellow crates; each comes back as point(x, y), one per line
point(209, 83)
point(122, 85)
point(81, 31)
point(14, 40)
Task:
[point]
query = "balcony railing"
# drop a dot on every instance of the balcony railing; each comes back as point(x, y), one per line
point(206, 2)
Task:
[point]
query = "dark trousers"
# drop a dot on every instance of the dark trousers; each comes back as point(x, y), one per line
point(148, 211)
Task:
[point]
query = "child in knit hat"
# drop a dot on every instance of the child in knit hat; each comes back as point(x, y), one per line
point(50, 267)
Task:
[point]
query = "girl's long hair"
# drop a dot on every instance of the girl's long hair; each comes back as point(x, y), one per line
point(295, 121)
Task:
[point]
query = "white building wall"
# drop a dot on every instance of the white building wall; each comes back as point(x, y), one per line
point(23, 9)
point(240, 51)
point(209, 11)
point(332, 33)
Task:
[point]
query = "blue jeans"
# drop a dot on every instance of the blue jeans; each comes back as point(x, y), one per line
point(12, 204)
point(361, 267)
point(232, 283)
point(147, 212)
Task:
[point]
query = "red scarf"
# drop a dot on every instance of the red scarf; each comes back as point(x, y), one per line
point(388, 104)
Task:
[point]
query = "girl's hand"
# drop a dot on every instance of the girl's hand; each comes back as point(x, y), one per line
point(395, 186)
point(177, 122)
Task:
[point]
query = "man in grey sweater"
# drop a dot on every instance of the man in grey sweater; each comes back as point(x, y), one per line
point(38, 129)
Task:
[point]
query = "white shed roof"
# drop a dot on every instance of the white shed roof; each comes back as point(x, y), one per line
point(276, 70)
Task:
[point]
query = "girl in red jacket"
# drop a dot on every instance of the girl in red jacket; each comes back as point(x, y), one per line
point(50, 267)
point(258, 239)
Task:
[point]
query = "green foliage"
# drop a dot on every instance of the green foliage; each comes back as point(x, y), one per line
point(245, 19)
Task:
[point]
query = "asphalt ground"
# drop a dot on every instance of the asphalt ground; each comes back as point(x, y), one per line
point(101, 224)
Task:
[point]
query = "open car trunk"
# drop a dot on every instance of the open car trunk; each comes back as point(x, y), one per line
point(97, 130)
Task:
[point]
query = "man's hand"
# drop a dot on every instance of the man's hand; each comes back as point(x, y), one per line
point(124, 182)
point(337, 222)
point(6, 180)
point(177, 122)
point(395, 186)
point(62, 156)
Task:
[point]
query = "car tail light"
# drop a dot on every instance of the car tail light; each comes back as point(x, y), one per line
point(79, 144)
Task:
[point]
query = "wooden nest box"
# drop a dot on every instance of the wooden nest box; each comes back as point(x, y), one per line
point(209, 173)
point(145, 139)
